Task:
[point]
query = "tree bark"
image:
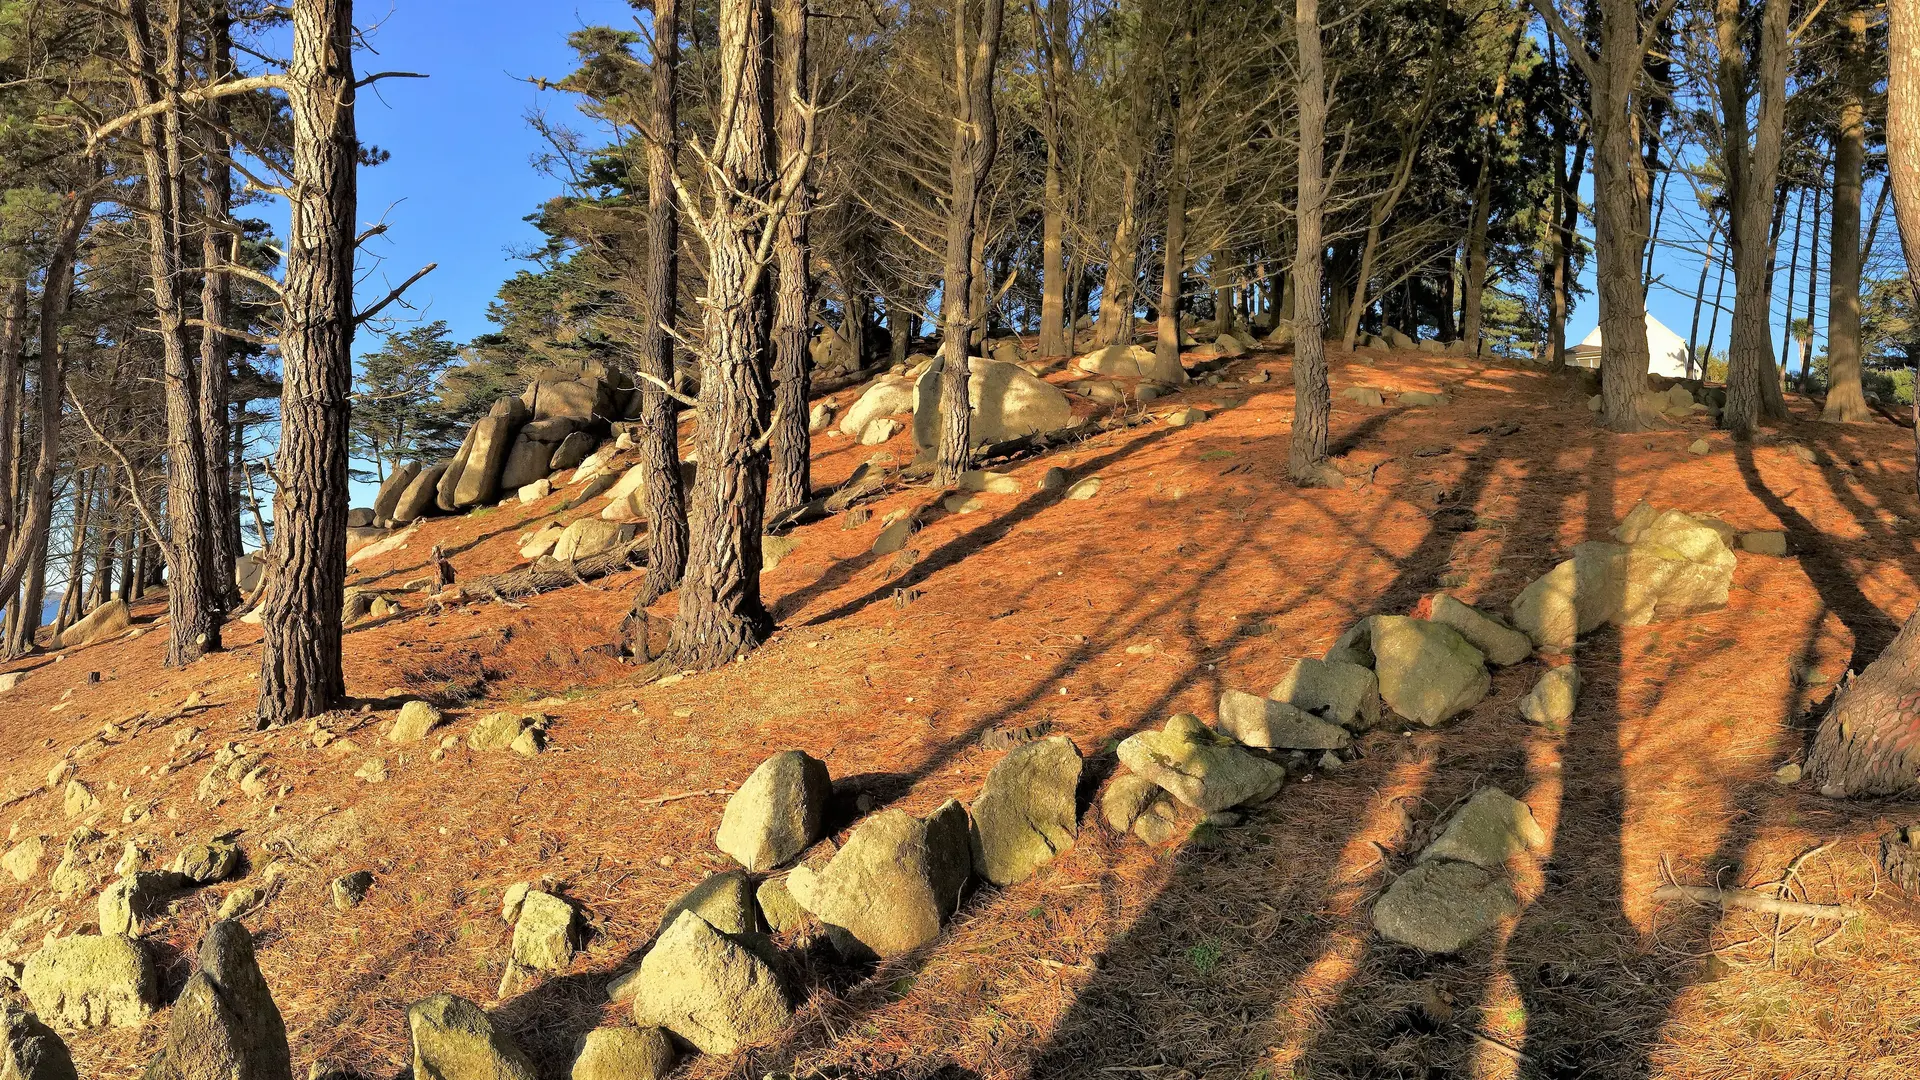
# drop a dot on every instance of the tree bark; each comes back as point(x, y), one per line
point(1700, 299)
point(300, 673)
point(1813, 279)
point(1752, 170)
point(218, 246)
point(1114, 325)
point(1846, 403)
point(192, 613)
point(13, 387)
point(1307, 446)
point(721, 615)
point(971, 156)
point(1869, 741)
point(1166, 367)
point(664, 496)
point(1054, 67)
point(791, 481)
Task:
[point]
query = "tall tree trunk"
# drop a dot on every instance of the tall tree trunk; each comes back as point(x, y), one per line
point(900, 324)
point(975, 139)
point(664, 494)
point(192, 613)
point(300, 674)
point(1700, 299)
point(13, 388)
point(1653, 236)
point(1813, 279)
point(791, 481)
point(70, 597)
point(1565, 228)
point(218, 246)
point(1166, 366)
point(26, 552)
point(721, 615)
point(1475, 286)
point(1054, 67)
point(1846, 403)
point(1752, 169)
point(1114, 325)
point(1307, 447)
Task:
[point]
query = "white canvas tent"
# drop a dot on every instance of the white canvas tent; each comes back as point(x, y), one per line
point(1667, 353)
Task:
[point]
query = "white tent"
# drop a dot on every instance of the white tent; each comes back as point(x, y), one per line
point(1667, 353)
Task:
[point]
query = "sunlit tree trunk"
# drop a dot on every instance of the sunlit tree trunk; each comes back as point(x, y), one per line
point(300, 673)
point(1752, 169)
point(791, 479)
point(1307, 446)
point(218, 246)
point(1846, 403)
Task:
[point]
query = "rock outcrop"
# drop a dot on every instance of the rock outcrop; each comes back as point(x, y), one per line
point(887, 892)
point(1667, 563)
point(225, 1023)
point(1007, 403)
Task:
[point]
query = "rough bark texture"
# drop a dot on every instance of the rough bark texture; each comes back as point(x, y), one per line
point(665, 499)
point(1307, 449)
point(300, 672)
point(721, 615)
point(791, 479)
point(971, 156)
point(1114, 326)
point(1752, 166)
point(217, 247)
point(193, 618)
point(1173, 251)
point(1054, 67)
point(1869, 742)
point(1846, 403)
point(13, 340)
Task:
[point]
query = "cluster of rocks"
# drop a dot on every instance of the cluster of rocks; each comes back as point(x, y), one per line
point(1390, 338)
point(1673, 402)
point(1008, 401)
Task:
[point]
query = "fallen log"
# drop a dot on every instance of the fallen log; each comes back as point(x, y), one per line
point(1754, 900)
point(548, 574)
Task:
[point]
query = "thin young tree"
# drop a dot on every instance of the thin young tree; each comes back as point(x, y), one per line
point(976, 53)
point(1312, 401)
point(1751, 161)
point(300, 669)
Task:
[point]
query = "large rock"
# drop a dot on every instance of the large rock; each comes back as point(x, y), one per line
point(391, 489)
point(1554, 697)
point(225, 1024)
point(415, 719)
point(571, 452)
point(1007, 403)
point(777, 812)
point(1200, 768)
point(587, 537)
point(583, 400)
point(533, 448)
point(889, 395)
point(421, 497)
point(1267, 724)
point(1492, 827)
point(832, 353)
point(90, 981)
point(1500, 643)
point(454, 1040)
point(1428, 672)
point(480, 479)
point(543, 937)
point(29, 1050)
point(1026, 813)
point(247, 571)
point(725, 901)
point(1442, 906)
point(713, 990)
point(1117, 360)
point(1669, 563)
point(1345, 693)
point(102, 622)
point(22, 860)
point(624, 1053)
point(449, 483)
point(209, 863)
point(898, 878)
point(361, 537)
point(627, 497)
point(126, 905)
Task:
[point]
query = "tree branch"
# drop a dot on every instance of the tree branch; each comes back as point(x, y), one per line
point(394, 295)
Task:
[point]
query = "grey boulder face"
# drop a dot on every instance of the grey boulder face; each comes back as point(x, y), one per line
point(531, 456)
point(486, 459)
point(449, 481)
point(1428, 673)
point(725, 901)
point(225, 1023)
point(454, 1040)
point(1026, 813)
point(1007, 401)
point(395, 485)
point(715, 991)
point(1200, 768)
point(1346, 693)
point(125, 905)
point(1667, 563)
point(90, 981)
point(777, 813)
point(208, 863)
point(1442, 906)
point(624, 1053)
point(1501, 644)
point(1275, 725)
point(1489, 829)
point(421, 496)
point(1553, 699)
point(887, 892)
point(29, 1050)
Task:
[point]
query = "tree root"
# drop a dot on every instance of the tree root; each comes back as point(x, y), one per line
point(1754, 900)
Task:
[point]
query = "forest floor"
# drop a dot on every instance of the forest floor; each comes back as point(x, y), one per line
point(1246, 952)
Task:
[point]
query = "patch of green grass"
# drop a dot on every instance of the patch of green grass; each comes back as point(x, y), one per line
point(1216, 455)
point(1036, 912)
point(1204, 957)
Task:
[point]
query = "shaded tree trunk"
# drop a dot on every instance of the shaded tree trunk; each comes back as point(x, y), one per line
point(721, 615)
point(300, 674)
point(791, 480)
point(1813, 279)
point(13, 387)
point(1846, 403)
point(1166, 366)
point(662, 490)
point(1752, 168)
point(1699, 301)
point(971, 156)
point(1307, 447)
point(218, 246)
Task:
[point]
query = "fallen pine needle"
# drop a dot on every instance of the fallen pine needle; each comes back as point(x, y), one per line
point(661, 800)
point(1754, 900)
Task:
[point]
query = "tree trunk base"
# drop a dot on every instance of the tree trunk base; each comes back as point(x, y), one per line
point(1869, 743)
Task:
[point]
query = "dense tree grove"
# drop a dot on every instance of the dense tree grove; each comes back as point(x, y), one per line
point(764, 196)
